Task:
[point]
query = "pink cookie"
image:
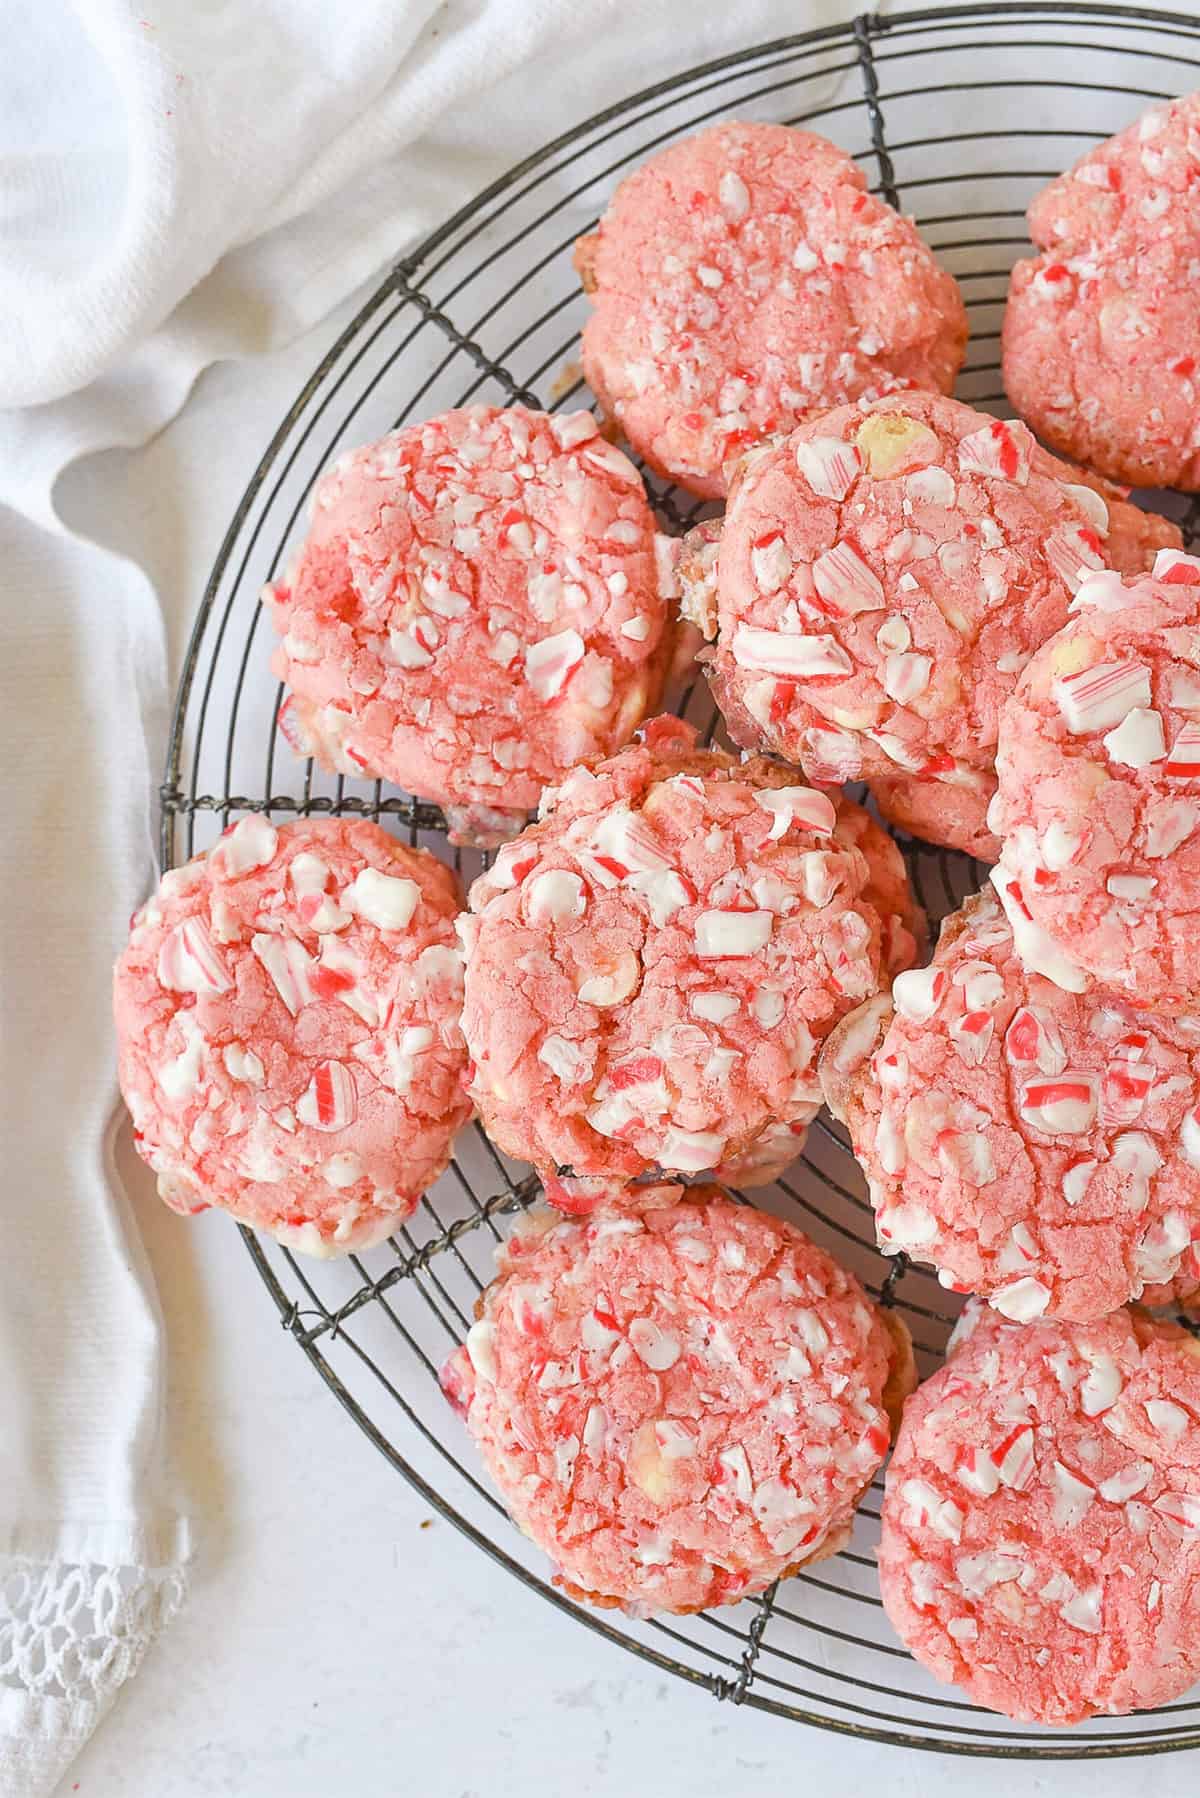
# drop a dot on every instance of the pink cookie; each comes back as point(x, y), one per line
point(681, 1407)
point(1034, 1145)
point(904, 940)
point(881, 578)
point(1183, 1292)
point(744, 278)
point(651, 968)
point(287, 1017)
point(480, 602)
point(1101, 329)
point(936, 812)
point(1041, 1526)
point(1099, 800)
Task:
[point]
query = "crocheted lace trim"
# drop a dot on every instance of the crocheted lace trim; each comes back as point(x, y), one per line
point(76, 1630)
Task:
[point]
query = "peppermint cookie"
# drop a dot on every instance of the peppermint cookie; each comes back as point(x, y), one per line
point(1183, 1292)
point(682, 1407)
point(1037, 1146)
point(1041, 1525)
point(1099, 802)
point(1101, 328)
point(480, 602)
point(287, 1016)
point(954, 814)
point(882, 577)
point(744, 278)
point(651, 968)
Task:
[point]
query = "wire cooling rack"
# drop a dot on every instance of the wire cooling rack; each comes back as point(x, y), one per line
point(959, 116)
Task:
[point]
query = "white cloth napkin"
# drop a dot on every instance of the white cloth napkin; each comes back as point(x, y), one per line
point(178, 183)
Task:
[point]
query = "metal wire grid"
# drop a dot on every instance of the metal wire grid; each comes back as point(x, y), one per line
point(960, 115)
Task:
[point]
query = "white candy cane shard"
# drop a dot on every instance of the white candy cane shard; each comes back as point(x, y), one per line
point(1159, 1250)
point(1102, 1387)
point(288, 963)
point(1127, 1483)
point(1180, 1508)
point(243, 1064)
point(930, 486)
point(550, 663)
point(976, 1573)
point(918, 992)
point(1059, 847)
point(1090, 503)
point(250, 844)
point(653, 1346)
point(1168, 1418)
point(1098, 697)
point(1000, 449)
point(893, 635)
point(1038, 951)
point(1083, 1610)
point(1013, 1458)
point(555, 894)
point(830, 466)
point(1185, 689)
point(975, 1469)
point(1134, 889)
point(189, 961)
point(1073, 1497)
point(692, 1151)
point(512, 863)
point(845, 583)
point(967, 1155)
point(721, 933)
point(1062, 1106)
point(330, 1100)
point(713, 1007)
point(386, 900)
point(782, 652)
point(1075, 1179)
point(1189, 1137)
point(926, 1507)
point(1072, 552)
point(623, 844)
point(797, 807)
point(733, 196)
point(570, 429)
point(1022, 1300)
point(1183, 763)
point(898, 751)
point(906, 676)
point(736, 1465)
point(770, 562)
point(832, 755)
point(1102, 589)
point(1173, 565)
point(1138, 740)
point(972, 1035)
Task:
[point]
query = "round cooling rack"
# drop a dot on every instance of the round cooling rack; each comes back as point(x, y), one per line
point(959, 117)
